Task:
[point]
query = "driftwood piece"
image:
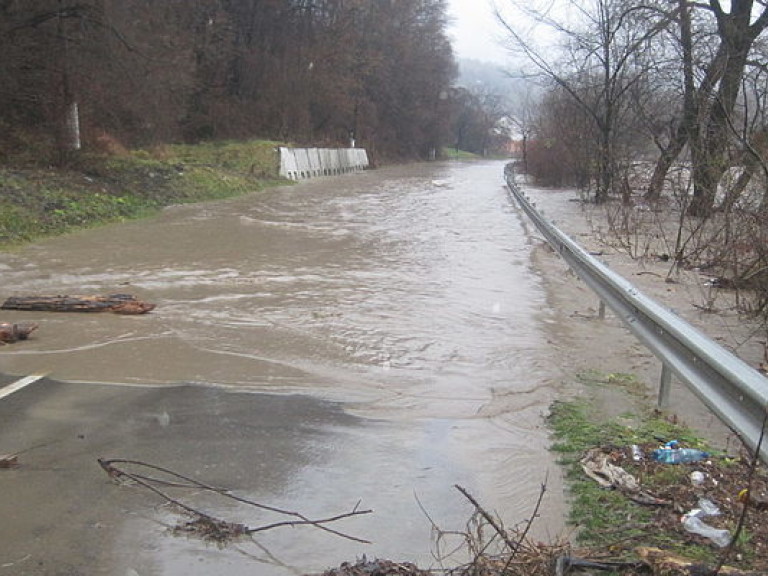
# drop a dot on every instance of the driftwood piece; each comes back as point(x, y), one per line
point(14, 332)
point(664, 563)
point(117, 303)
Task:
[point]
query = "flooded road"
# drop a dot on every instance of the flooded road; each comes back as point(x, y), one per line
point(377, 337)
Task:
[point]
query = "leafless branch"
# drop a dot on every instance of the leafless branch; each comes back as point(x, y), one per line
point(746, 504)
point(490, 519)
point(150, 483)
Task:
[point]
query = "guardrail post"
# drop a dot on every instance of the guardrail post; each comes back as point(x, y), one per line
point(601, 310)
point(665, 386)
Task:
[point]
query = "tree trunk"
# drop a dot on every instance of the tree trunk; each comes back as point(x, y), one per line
point(71, 128)
point(69, 122)
point(606, 164)
point(736, 36)
point(664, 163)
point(733, 195)
point(687, 131)
point(525, 152)
point(707, 176)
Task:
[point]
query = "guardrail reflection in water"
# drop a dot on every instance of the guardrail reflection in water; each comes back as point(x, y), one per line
point(732, 389)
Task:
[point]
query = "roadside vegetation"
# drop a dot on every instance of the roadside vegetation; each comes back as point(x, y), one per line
point(620, 524)
point(40, 199)
point(454, 154)
point(380, 73)
point(97, 188)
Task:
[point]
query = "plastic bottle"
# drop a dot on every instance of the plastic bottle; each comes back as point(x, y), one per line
point(637, 452)
point(678, 455)
point(695, 525)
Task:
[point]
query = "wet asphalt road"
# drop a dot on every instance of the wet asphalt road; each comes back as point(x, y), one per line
point(63, 515)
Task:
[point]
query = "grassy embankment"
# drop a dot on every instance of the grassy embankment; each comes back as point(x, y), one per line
point(37, 201)
point(610, 522)
point(453, 154)
point(98, 188)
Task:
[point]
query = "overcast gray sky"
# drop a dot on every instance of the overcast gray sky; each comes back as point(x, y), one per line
point(474, 31)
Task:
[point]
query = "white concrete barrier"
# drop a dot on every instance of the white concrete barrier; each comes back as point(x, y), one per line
point(299, 163)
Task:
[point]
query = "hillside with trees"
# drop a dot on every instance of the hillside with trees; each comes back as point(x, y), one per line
point(93, 72)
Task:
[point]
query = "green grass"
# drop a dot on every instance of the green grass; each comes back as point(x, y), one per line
point(256, 158)
point(453, 154)
point(96, 189)
point(607, 519)
point(574, 431)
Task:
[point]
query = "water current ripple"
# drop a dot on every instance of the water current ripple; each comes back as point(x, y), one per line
point(370, 336)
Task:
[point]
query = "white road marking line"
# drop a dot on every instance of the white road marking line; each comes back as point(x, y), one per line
point(19, 384)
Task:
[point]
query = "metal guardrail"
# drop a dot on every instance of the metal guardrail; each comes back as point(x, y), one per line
point(733, 390)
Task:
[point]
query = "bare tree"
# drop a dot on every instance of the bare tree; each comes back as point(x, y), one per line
point(737, 34)
point(709, 107)
point(601, 59)
point(522, 114)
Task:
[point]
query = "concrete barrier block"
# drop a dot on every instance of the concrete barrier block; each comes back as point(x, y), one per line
point(298, 163)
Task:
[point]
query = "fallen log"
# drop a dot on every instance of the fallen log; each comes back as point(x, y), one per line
point(117, 303)
point(10, 333)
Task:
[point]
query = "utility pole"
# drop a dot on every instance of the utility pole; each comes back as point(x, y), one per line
point(70, 119)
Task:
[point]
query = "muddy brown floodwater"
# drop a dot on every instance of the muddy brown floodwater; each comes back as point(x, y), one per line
point(377, 337)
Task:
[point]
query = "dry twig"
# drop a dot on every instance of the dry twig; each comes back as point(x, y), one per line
point(490, 519)
point(519, 557)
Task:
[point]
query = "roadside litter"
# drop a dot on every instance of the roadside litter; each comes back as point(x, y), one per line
point(705, 503)
point(672, 454)
point(693, 523)
point(596, 464)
